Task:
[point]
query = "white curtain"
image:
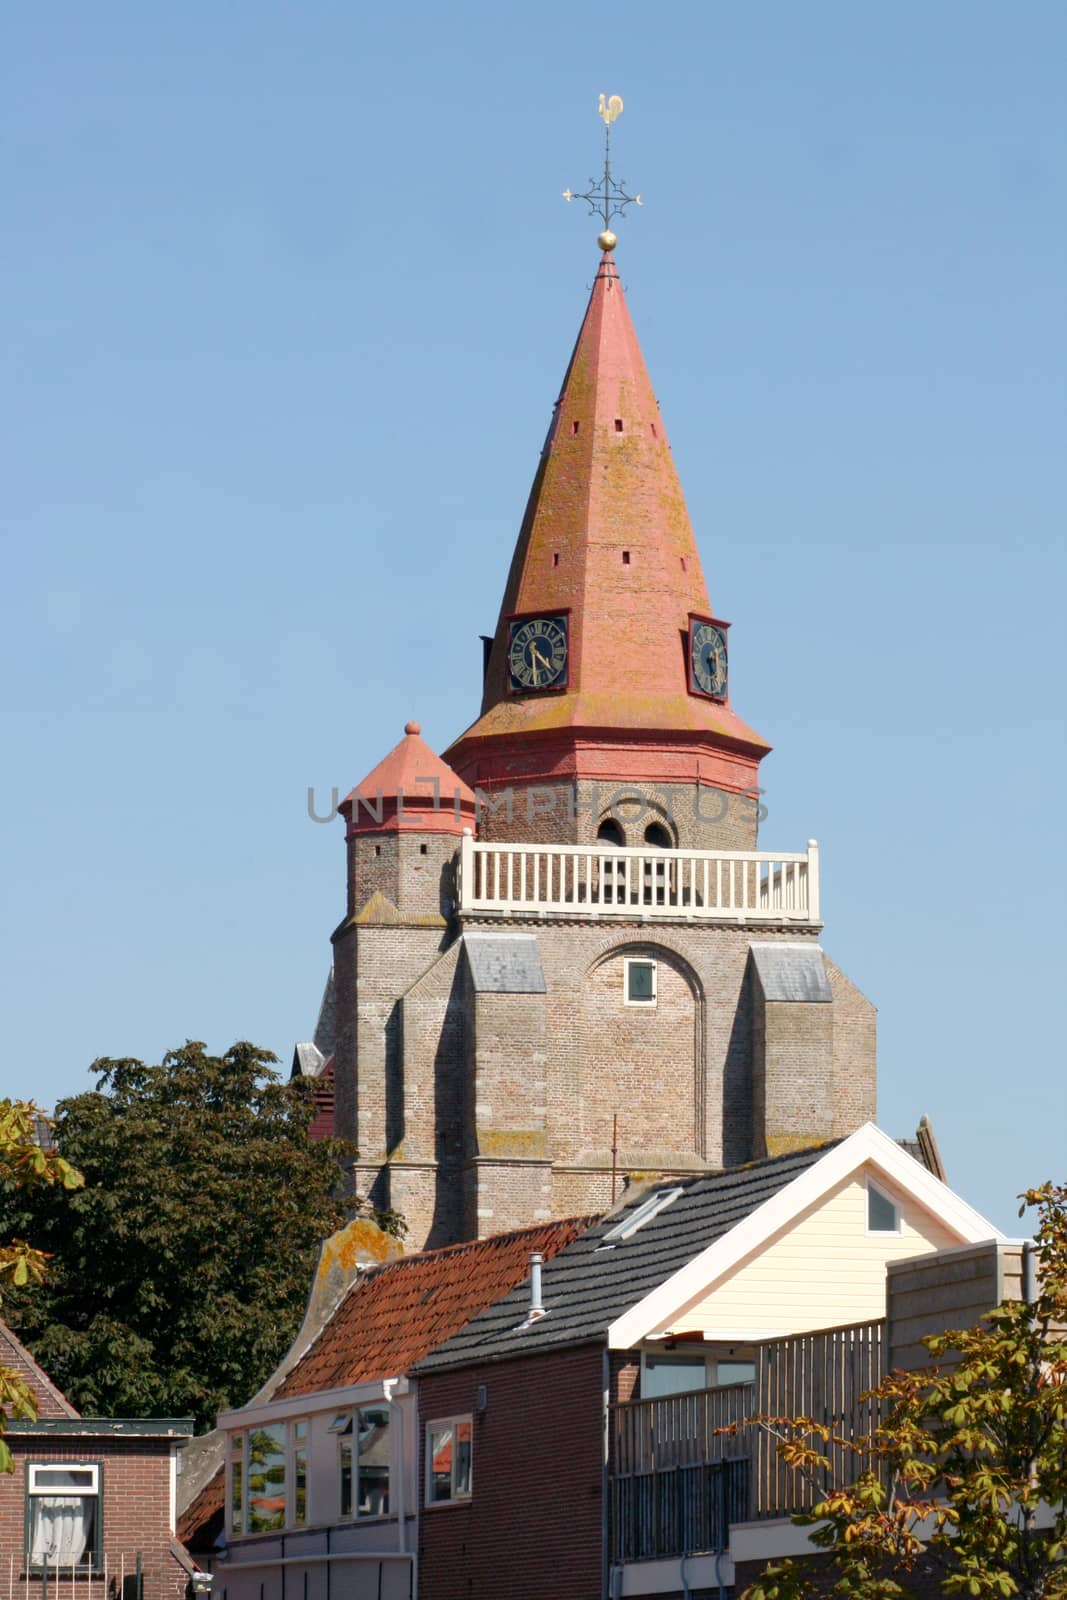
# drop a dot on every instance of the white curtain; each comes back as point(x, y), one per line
point(59, 1529)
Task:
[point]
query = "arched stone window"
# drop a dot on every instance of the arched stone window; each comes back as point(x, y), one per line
point(610, 832)
point(658, 835)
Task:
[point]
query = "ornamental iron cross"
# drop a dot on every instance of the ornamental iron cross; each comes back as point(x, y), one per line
point(610, 198)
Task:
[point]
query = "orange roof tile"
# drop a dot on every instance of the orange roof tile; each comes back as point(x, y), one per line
point(606, 538)
point(399, 1312)
point(411, 789)
point(202, 1520)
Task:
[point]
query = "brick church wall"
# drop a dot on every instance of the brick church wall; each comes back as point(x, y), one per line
point(493, 1110)
point(855, 1053)
point(570, 811)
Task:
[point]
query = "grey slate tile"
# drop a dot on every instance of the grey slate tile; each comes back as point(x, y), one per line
point(504, 963)
point(791, 972)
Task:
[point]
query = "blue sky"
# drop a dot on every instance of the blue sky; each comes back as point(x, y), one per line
point(288, 292)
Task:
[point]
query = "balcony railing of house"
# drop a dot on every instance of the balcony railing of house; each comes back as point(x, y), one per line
point(601, 881)
point(52, 1575)
point(678, 1480)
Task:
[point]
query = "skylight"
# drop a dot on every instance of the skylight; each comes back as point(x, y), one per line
point(649, 1208)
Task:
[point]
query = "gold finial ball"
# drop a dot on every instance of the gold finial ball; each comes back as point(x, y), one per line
point(607, 240)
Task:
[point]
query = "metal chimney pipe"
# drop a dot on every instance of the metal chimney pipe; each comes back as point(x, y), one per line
point(536, 1307)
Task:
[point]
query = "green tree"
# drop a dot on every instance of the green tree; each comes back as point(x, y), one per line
point(26, 1163)
point(965, 1479)
point(180, 1273)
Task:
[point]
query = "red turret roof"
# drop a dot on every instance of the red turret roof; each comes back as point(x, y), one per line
point(412, 790)
point(606, 537)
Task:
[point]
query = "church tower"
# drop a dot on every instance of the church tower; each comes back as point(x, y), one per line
point(564, 959)
point(608, 671)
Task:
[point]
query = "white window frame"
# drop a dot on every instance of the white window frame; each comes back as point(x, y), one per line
point(456, 1498)
point(89, 1561)
point(276, 1424)
point(295, 1446)
point(346, 1427)
point(640, 961)
point(236, 1525)
point(883, 1194)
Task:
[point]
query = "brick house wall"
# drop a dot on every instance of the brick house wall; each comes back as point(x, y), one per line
point(136, 1507)
point(532, 1526)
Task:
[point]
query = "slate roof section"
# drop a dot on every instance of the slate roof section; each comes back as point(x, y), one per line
point(504, 963)
point(308, 1061)
point(585, 1288)
point(396, 1313)
point(923, 1148)
point(51, 1402)
point(791, 971)
point(325, 1037)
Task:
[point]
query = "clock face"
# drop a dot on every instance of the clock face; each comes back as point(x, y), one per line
point(707, 658)
point(537, 654)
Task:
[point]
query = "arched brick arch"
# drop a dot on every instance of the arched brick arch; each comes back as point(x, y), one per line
point(644, 1064)
point(633, 812)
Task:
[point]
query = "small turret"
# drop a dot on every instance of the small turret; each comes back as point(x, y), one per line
point(403, 822)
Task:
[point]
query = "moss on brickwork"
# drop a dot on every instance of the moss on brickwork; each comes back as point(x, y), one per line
point(513, 1142)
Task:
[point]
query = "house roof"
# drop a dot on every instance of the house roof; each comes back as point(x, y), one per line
point(51, 1402)
point(396, 1313)
point(621, 1286)
point(202, 1521)
point(590, 1283)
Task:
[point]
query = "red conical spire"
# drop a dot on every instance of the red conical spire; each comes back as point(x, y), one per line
point(607, 540)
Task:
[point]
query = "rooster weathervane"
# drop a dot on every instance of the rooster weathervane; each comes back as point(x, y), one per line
point(608, 199)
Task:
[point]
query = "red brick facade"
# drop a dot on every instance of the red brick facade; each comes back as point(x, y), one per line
point(135, 1510)
point(532, 1527)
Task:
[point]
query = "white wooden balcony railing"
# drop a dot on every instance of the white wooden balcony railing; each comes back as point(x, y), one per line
point(596, 881)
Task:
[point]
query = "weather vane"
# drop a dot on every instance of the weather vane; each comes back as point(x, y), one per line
point(610, 198)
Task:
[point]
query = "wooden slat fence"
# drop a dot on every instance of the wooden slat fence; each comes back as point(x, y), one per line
point(675, 1475)
point(679, 1430)
point(823, 1376)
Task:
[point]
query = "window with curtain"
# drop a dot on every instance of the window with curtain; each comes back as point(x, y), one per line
point(63, 1514)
